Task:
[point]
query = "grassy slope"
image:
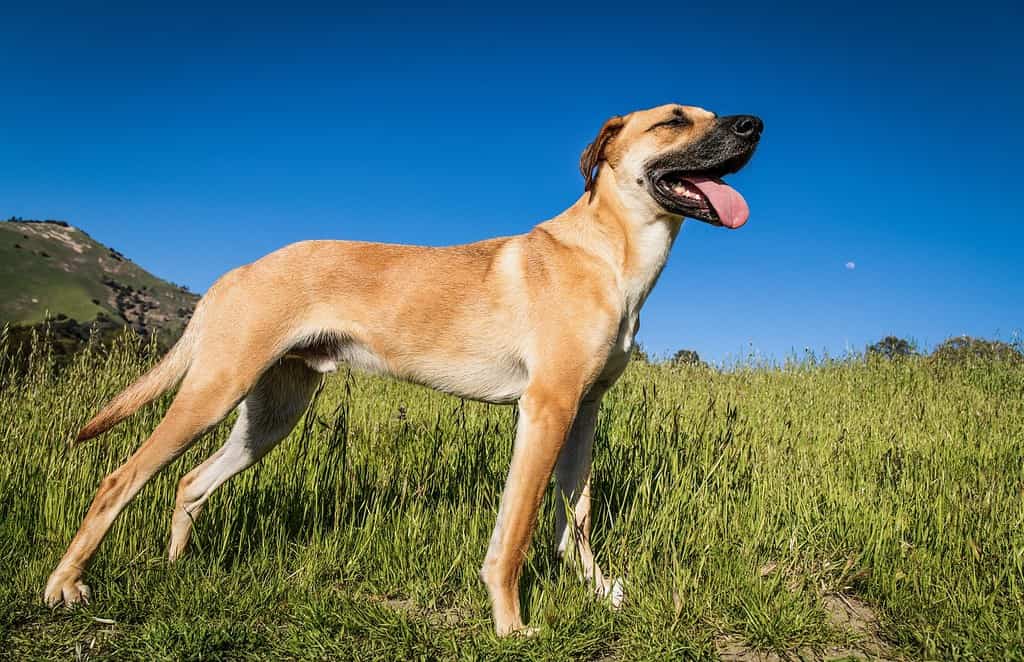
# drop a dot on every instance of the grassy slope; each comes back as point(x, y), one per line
point(49, 269)
point(734, 504)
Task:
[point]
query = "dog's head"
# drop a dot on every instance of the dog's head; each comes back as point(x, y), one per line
point(673, 158)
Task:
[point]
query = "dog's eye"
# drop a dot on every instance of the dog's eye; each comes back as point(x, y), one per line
point(675, 121)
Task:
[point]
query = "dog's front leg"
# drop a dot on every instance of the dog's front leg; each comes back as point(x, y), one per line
point(545, 416)
point(573, 496)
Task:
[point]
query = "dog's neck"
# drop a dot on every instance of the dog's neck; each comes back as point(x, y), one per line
point(630, 233)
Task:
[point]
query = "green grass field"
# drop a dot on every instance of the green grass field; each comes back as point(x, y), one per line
point(822, 510)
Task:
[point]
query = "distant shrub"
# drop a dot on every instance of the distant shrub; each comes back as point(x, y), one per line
point(967, 349)
point(51, 221)
point(892, 347)
point(640, 354)
point(687, 357)
point(61, 336)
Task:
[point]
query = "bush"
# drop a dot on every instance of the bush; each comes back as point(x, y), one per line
point(687, 357)
point(891, 347)
point(966, 349)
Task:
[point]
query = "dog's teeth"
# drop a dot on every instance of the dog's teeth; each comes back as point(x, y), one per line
point(684, 191)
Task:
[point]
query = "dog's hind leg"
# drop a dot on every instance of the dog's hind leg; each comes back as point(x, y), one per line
point(265, 417)
point(573, 495)
point(205, 397)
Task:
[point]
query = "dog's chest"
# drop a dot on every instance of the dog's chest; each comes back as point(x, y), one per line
point(622, 349)
point(650, 253)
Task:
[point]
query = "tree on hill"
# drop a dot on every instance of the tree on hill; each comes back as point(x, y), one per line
point(687, 357)
point(891, 347)
point(640, 354)
point(961, 349)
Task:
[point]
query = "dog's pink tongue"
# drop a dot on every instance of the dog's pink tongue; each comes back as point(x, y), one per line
point(732, 209)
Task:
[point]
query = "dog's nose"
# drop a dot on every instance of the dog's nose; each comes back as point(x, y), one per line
point(747, 127)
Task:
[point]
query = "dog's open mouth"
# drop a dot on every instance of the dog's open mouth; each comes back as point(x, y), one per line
point(707, 199)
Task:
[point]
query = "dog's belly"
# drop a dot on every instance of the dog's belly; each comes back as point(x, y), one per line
point(498, 379)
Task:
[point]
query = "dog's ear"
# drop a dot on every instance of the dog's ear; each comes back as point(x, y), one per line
point(593, 155)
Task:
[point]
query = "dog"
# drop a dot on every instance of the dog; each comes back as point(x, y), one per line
point(546, 319)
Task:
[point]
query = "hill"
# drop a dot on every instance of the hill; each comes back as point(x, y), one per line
point(51, 269)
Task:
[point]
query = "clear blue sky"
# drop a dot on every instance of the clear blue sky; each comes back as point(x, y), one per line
point(198, 139)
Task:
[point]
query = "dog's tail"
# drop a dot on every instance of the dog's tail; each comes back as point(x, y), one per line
point(163, 376)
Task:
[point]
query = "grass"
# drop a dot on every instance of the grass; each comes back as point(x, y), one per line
point(737, 505)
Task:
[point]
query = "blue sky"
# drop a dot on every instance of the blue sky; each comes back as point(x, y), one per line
point(199, 139)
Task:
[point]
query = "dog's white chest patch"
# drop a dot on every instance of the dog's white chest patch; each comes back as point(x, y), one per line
point(627, 339)
point(619, 355)
point(627, 334)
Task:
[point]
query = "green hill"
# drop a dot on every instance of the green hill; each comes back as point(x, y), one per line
point(50, 269)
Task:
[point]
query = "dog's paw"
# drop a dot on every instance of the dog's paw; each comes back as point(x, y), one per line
point(613, 591)
point(516, 630)
point(70, 592)
point(617, 593)
point(176, 549)
point(524, 631)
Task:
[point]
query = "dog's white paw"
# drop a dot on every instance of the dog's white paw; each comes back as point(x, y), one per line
point(517, 630)
point(613, 591)
point(526, 632)
point(617, 593)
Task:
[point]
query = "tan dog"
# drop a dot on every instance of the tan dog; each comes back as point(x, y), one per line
point(545, 319)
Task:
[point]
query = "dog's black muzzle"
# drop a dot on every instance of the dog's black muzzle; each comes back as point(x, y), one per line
point(722, 151)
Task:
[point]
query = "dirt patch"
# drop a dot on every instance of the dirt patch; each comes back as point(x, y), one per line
point(449, 616)
point(55, 232)
point(847, 612)
point(844, 612)
point(730, 649)
point(141, 309)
